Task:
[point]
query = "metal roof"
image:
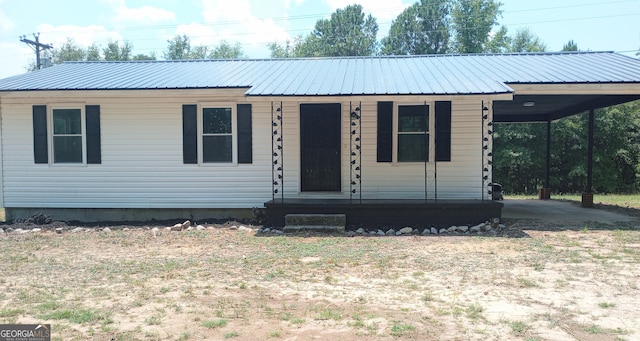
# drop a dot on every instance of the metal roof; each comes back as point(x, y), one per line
point(384, 75)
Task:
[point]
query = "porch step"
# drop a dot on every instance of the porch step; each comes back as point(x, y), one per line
point(315, 222)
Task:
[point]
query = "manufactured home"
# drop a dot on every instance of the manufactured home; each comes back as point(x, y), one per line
point(388, 141)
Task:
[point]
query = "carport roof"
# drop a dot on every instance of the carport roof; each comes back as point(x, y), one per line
point(342, 76)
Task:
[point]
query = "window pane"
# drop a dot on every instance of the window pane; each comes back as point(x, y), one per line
point(216, 121)
point(217, 148)
point(67, 121)
point(413, 147)
point(67, 149)
point(413, 118)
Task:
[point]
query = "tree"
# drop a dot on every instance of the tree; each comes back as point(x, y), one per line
point(570, 46)
point(114, 51)
point(179, 48)
point(500, 42)
point(472, 22)
point(140, 56)
point(69, 51)
point(422, 28)
point(93, 53)
point(348, 33)
point(225, 50)
point(526, 41)
point(284, 51)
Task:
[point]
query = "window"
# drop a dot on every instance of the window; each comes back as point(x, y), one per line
point(413, 133)
point(67, 136)
point(217, 135)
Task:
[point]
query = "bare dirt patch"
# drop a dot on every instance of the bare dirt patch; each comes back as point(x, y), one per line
point(551, 284)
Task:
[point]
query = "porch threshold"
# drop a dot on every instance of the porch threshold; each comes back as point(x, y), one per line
point(378, 213)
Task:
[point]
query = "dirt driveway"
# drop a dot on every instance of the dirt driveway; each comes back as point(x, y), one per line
point(560, 212)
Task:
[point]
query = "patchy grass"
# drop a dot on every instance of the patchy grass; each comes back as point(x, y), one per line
point(224, 284)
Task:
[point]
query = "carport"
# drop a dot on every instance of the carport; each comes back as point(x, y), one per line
point(592, 85)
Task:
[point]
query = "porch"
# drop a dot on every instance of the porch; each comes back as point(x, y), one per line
point(377, 213)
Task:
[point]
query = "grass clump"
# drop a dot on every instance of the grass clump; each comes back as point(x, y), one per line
point(211, 324)
point(400, 329)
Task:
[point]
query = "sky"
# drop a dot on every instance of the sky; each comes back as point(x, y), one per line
point(596, 25)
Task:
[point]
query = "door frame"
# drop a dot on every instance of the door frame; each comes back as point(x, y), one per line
point(337, 115)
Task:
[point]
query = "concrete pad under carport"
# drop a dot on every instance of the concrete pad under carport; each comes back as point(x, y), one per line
point(559, 212)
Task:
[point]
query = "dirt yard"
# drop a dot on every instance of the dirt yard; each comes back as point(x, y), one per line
point(530, 282)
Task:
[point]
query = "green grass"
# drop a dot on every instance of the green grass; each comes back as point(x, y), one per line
point(231, 334)
point(211, 324)
point(606, 305)
point(74, 315)
point(518, 327)
point(400, 329)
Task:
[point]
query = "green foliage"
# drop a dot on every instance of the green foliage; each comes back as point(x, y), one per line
point(500, 42)
point(422, 28)
point(473, 20)
point(180, 48)
point(349, 32)
point(520, 152)
point(570, 46)
point(69, 51)
point(224, 50)
point(526, 41)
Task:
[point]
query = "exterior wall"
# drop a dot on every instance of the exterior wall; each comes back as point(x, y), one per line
point(460, 178)
point(142, 166)
point(141, 141)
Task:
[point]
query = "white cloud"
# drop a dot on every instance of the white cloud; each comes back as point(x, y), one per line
point(233, 21)
point(5, 23)
point(15, 58)
point(83, 35)
point(144, 14)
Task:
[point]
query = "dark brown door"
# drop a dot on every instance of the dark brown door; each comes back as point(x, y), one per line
point(320, 147)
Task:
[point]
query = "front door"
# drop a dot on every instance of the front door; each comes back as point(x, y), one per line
point(320, 147)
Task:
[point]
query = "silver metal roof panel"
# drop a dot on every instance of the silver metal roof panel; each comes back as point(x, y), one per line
point(342, 76)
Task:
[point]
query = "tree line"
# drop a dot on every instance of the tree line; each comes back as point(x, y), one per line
point(439, 27)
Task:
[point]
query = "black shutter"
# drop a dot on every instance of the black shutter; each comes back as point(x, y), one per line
point(40, 140)
point(245, 154)
point(385, 131)
point(443, 131)
point(94, 153)
point(190, 133)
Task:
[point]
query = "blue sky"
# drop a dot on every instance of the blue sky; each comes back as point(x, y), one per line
point(598, 25)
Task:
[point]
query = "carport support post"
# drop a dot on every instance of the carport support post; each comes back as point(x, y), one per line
point(545, 193)
point(587, 196)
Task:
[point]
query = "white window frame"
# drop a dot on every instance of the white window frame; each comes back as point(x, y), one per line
point(234, 133)
point(430, 132)
point(50, 132)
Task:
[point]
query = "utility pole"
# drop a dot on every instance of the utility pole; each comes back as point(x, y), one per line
point(38, 46)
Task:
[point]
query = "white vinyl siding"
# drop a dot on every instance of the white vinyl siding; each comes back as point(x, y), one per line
point(142, 162)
